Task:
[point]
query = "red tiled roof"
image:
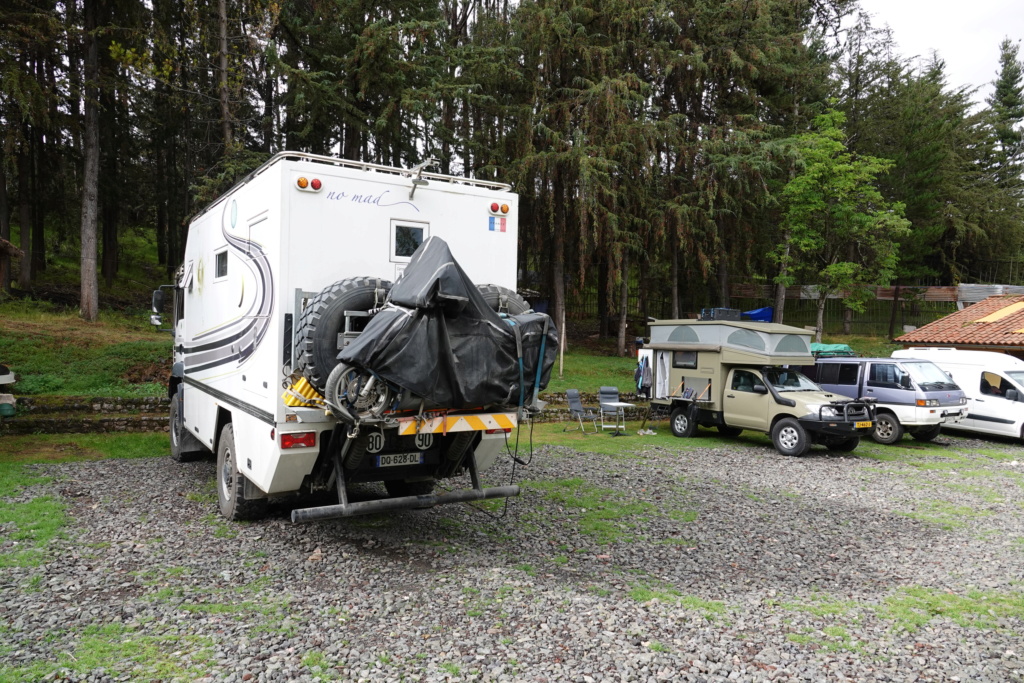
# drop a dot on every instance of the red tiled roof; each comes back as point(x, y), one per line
point(964, 328)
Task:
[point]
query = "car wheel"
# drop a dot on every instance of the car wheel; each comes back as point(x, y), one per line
point(789, 437)
point(926, 433)
point(682, 422)
point(231, 483)
point(888, 429)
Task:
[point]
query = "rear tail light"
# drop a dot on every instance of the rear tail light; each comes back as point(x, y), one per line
point(298, 440)
point(499, 431)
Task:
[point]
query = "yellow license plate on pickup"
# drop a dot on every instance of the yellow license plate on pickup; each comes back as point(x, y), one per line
point(858, 425)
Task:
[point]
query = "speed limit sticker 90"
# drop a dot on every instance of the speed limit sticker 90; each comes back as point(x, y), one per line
point(424, 441)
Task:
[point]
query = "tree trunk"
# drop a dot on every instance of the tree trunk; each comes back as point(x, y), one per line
point(623, 303)
point(90, 175)
point(38, 205)
point(225, 104)
point(822, 298)
point(674, 274)
point(558, 257)
point(5, 227)
point(25, 212)
point(847, 321)
point(723, 274)
point(780, 288)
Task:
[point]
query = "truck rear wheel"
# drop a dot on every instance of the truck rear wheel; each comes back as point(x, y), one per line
point(184, 446)
point(888, 429)
point(790, 438)
point(231, 483)
point(926, 433)
point(503, 299)
point(323, 319)
point(682, 422)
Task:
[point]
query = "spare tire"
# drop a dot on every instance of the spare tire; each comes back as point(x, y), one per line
point(323, 319)
point(503, 299)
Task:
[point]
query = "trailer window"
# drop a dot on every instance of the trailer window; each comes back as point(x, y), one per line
point(406, 237)
point(221, 270)
point(684, 359)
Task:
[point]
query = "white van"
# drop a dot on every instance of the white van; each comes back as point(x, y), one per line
point(993, 382)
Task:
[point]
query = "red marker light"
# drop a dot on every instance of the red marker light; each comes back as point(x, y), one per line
point(298, 440)
point(316, 184)
point(303, 183)
point(494, 207)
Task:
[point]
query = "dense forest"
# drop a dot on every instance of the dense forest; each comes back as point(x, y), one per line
point(661, 148)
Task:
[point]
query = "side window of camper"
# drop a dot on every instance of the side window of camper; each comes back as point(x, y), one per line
point(848, 373)
point(684, 359)
point(220, 264)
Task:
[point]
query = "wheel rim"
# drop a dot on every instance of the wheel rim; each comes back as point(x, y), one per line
point(227, 474)
point(681, 423)
point(885, 428)
point(789, 438)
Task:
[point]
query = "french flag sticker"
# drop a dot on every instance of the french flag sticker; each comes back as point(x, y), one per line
point(497, 224)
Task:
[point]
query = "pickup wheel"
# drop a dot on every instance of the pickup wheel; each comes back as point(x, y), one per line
point(231, 483)
point(731, 432)
point(503, 299)
point(888, 429)
point(682, 422)
point(926, 433)
point(790, 438)
point(184, 446)
point(323, 319)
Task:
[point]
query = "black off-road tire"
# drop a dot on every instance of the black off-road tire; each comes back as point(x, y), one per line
point(926, 433)
point(888, 429)
point(681, 422)
point(184, 446)
point(731, 432)
point(398, 488)
point(503, 299)
point(231, 483)
point(790, 438)
point(323, 319)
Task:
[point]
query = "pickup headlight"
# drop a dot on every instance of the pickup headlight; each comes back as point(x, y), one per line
point(823, 412)
point(927, 402)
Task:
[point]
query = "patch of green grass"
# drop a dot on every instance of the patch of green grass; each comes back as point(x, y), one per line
point(945, 515)
point(708, 608)
point(915, 607)
point(453, 669)
point(588, 372)
point(119, 650)
point(655, 646)
point(560, 559)
point(35, 523)
point(602, 512)
point(52, 448)
point(552, 434)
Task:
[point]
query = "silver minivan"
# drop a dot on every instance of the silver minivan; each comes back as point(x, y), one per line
point(910, 394)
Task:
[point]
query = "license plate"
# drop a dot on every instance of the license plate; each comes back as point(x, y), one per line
point(858, 425)
point(396, 459)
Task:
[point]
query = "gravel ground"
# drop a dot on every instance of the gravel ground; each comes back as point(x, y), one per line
point(726, 563)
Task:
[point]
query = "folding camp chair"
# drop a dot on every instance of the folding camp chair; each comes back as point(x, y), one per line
point(613, 415)
point(578, 412)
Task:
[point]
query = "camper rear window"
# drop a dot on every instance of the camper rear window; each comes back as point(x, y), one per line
point(407, 239)
point(684, 359)
point(222, 264)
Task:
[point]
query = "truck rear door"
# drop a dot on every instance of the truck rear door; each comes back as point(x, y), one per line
point(744, 405)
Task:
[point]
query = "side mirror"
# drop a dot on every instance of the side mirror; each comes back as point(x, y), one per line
point(905, 381)
point(760, 389)
point(158, 302)
point(1012, 394)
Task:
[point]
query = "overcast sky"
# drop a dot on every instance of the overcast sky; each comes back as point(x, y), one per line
point(965, 33)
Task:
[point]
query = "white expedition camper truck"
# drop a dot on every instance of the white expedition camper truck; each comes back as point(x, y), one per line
point(283, 273)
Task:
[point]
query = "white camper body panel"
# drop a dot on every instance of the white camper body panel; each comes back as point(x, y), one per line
point(251, 252)
point(975, 372)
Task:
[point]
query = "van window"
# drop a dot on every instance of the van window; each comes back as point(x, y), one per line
point(684, 359)
point(221, 267)
point(827, 373)
point(848, 373)
point(994, 385)
point(888, 375)
point(743, 380)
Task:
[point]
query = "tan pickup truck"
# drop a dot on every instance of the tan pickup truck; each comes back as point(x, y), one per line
point(736, 375)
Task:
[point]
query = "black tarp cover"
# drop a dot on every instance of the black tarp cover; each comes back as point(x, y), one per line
point(438, 339)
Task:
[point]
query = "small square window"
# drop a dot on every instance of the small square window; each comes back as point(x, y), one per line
point(684, 359)
point(222, 265)
point(406, 238)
